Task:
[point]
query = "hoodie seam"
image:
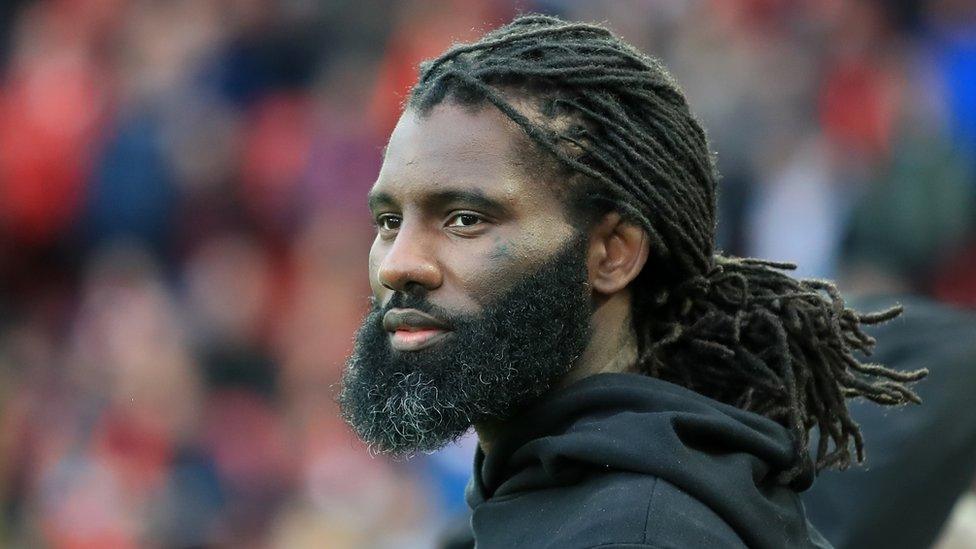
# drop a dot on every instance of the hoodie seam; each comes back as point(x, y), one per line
point(647, 514)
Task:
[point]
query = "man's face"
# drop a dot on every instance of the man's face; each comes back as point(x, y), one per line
point(479, 284)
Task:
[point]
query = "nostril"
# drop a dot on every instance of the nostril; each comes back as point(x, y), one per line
point(415, 289)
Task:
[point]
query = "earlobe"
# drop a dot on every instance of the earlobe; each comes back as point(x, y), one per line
point(618, 252)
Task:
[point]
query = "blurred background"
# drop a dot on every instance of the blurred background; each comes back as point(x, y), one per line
point(183, 231)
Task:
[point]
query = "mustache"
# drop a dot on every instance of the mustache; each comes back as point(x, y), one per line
point(402, 300)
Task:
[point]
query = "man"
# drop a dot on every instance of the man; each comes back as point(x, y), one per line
point(544, 270)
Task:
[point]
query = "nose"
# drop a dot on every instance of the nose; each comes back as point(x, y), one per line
point(409, 262)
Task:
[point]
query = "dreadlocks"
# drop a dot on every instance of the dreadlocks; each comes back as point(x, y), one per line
point(738, 330)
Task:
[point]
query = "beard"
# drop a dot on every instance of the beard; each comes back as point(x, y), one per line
point(489, 366)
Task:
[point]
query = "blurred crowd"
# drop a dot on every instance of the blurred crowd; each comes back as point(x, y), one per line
point(183, 231)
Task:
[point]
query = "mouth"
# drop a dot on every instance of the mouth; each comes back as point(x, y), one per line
point(415, 340)
point(412, 330)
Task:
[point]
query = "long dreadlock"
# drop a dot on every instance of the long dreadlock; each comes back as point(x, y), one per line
point(738, 330)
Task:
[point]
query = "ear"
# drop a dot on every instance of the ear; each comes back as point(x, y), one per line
point(617, 253)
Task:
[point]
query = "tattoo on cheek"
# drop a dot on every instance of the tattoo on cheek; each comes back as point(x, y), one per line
point(503, 249)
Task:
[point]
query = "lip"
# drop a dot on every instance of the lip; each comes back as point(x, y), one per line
point(412, 330)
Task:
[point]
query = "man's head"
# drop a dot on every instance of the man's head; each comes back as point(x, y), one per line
point(547, 188)
point(484, 283)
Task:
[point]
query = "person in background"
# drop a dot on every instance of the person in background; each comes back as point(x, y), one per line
point(921, 459)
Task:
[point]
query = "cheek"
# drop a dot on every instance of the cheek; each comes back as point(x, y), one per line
point(510, 257)
point(492, 271)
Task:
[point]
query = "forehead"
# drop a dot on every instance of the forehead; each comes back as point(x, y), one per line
point(454, 147)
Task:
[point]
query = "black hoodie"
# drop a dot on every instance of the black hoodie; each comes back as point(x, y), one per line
point(628, 461)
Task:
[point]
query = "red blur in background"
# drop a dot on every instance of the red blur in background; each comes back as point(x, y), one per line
point(183, 232)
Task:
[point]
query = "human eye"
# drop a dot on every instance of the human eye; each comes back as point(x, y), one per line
point(388, 223)
point(464, 219)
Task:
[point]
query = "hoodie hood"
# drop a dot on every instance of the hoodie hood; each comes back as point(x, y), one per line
point(729, 459)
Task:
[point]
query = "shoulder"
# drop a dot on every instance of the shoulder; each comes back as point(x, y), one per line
point(677, 519)
point(610, 510)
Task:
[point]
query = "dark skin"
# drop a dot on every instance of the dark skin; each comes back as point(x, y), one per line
point(460, 219)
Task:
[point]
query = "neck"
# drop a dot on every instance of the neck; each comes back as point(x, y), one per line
point(612, 349)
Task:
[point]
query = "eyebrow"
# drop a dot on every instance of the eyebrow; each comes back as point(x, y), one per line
point(476, 199)
point(378, 199)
